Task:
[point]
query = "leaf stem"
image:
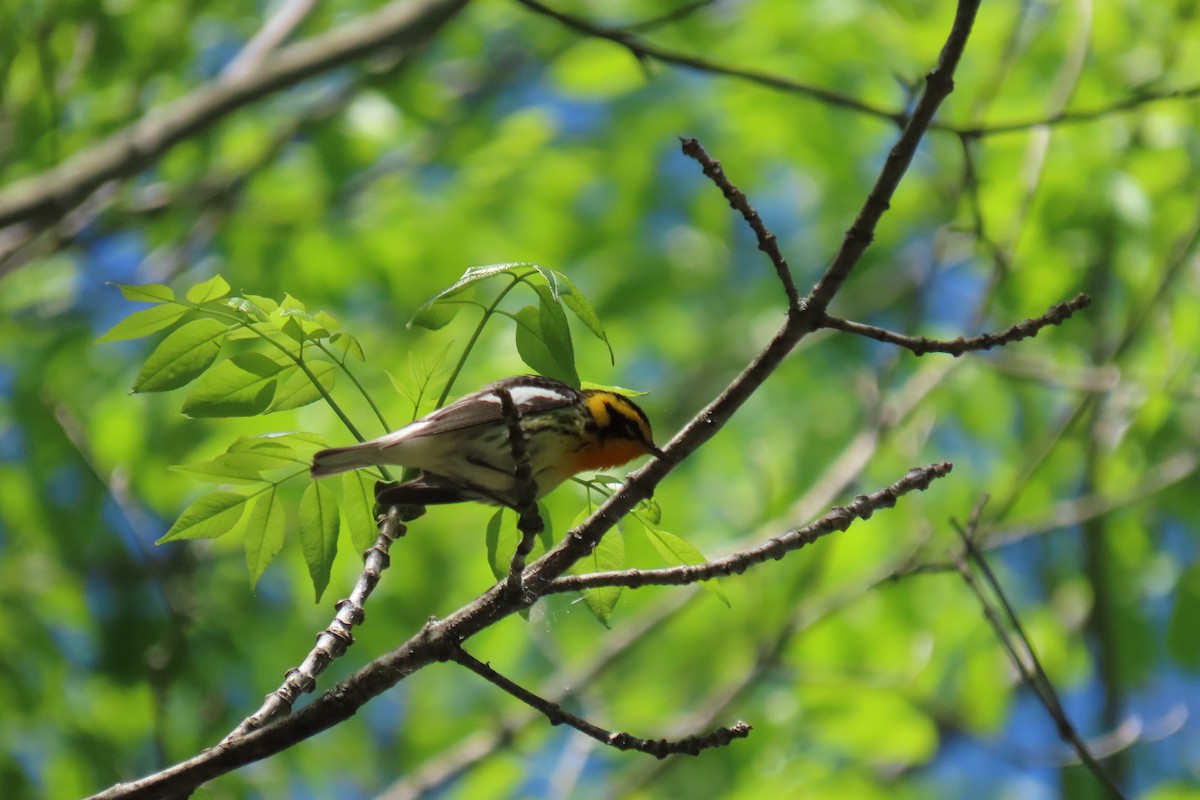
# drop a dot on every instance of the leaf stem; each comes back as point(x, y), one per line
point(358, 385)
point(487, 314)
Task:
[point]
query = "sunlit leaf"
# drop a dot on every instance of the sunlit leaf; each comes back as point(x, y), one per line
point(607, 556)
point(318, 533)
point(209, 516)
point(212, 289)
point(240, 386)
point(144, 322)
point(296, 389)
point(220, 470)
point(676, 552)
point(264, 533)
point(181, 357)
point(573, 299)
point(358, 501)
point(435, 313)
point(255, 330)
point(536, 352)
point(343, 345)
point(146, 293)
point(556, 334)
point(501, 537)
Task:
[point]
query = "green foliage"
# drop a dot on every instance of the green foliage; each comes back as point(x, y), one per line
point(514, 138)
point(295, 359)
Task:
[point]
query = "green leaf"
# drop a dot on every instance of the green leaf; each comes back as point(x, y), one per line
point(296, 389)
point(144, 322)
point(433, 316)
point(616, 389)
point(358, 501)
point(255, 330)
point(147, 293)
point(281, 444)
point(265, 304)
point(502, 537)
point(608, 555)
point(289, 325)
point(241, 386)
point(343, 344)
point(556, 334)
point(318, 533)
point(1182, 642)
point(534, 350)
point(264, 456)
point(181, 357)
point(210, 516)
point(220, 470)
point(291, 305)
point(573, 299)
point(435, 313)
point(327, 321)
point(264, 533)
point(212, 289)
point(676, 552)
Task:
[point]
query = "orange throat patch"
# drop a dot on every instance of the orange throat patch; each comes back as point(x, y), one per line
point(609, 454)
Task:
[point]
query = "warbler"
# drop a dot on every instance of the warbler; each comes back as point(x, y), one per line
point(464, 451)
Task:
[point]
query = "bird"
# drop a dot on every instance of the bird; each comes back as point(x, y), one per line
point(464, 452)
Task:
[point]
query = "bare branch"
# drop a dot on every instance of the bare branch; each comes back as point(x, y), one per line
point(1084, 115)
point(839, 518)
point(643, 51)
point(55, 192)
point(766, 240)
point(1024, 660)
point(285, 19)
point(920, 345)
point(332, 642)
point(938, 85)
point(557, 715)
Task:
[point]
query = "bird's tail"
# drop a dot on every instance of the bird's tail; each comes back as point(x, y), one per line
point(344, 459)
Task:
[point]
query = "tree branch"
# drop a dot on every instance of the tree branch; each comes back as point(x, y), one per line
point(766, 240)
point(938, 85)
point(643, 50)
point(557, 715)
point(55, 192)
point(332, 642)
point(839, 518)
point(1025, 660)
point(920, 345)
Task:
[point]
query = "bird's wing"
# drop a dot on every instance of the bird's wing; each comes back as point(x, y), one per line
point(531, 395)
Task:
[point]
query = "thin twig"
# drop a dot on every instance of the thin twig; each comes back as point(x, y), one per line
point(1083, 115)
point(938, 85)
point(643, 50)
point(332, 642)
point(1025, 661)
point(839, 518)
point(557, 715)
point(920, 345)
point(282, 22)
point(766, 240)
